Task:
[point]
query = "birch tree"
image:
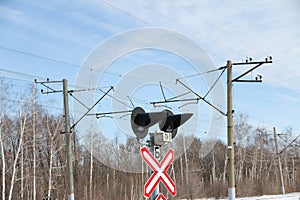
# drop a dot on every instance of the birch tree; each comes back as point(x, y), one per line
point(4, 91)
point(22, 125)
point(3, 160)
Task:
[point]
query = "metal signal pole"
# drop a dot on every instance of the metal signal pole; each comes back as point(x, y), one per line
point(153, 150)
point(68, 142)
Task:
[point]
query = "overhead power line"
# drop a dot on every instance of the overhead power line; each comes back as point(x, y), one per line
point(185, 27)
point(55, 60)
point(168, 19)
point(246, 44)
point(29, 76)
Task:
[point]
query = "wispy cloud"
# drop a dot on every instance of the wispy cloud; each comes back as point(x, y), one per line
point(10, 14)
point(69, 30)
point(233, 30)
point(283, 97)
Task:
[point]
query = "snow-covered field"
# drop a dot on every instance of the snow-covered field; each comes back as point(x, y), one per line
point(290, 196)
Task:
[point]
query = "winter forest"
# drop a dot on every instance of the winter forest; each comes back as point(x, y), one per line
point(33, 159)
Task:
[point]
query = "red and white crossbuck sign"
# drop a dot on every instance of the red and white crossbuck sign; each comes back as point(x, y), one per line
point(159, 173)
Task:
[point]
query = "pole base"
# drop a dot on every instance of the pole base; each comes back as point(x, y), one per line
point(71, 196)
point(231, 193)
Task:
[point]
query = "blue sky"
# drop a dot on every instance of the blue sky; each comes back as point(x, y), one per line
point(61, 35)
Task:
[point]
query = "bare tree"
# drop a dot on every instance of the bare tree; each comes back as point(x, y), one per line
point(4, 91)
point(34, 142)
point(22, 125)
point(3, 160)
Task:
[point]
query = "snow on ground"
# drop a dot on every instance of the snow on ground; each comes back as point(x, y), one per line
point(290, 196)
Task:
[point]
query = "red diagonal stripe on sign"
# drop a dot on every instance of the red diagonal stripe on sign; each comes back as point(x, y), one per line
point(151, 184)
point(159, 172)
point(166, 179)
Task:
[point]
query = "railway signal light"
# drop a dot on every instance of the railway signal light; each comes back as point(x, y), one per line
point(168, 122)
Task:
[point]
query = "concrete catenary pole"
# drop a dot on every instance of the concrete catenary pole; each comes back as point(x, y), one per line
point(230, 135)
point(279, 162)
point(68, 142)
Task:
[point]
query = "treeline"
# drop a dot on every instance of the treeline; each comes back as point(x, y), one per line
point(33, 161)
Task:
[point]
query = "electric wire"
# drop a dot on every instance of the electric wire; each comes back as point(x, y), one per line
point(69, 93)
point(56, 60)
point(115, 7)
point(125, 12)
point(214, 84)
point(144, 21)
point(171, 20)
point(72, 65)
point(246, 44)
point(186, 28)
point(81, 66)
point(61, 109)
point(26, 76)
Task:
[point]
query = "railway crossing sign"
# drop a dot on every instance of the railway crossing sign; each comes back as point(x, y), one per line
point(159, 173)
